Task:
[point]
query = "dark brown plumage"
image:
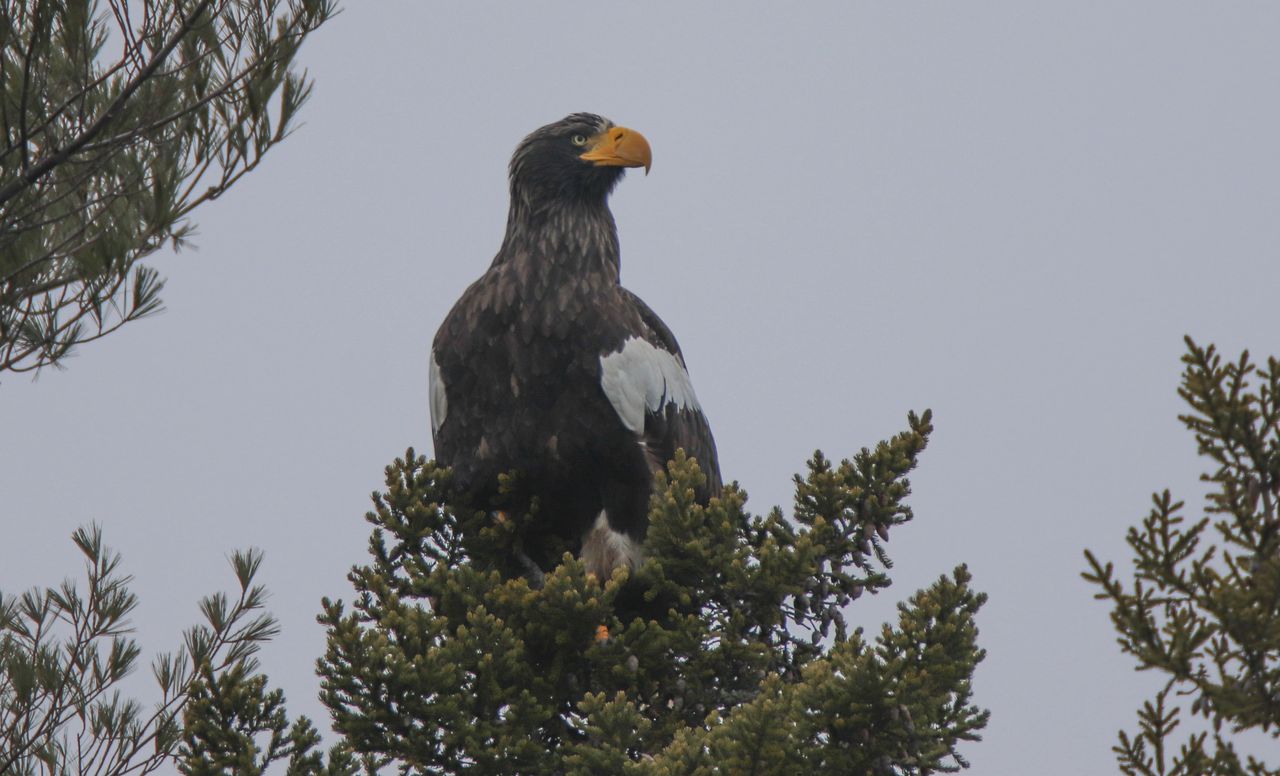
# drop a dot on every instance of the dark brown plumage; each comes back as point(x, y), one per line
point(547, 366)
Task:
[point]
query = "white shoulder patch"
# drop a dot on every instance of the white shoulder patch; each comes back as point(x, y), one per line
point(438, 402)
point(642, 377)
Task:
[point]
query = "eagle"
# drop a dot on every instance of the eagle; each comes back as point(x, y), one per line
point(547, 367)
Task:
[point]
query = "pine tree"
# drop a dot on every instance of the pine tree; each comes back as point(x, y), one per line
point(65, 650)
point(115, 124)
point(726, 652)
point(1202, 607)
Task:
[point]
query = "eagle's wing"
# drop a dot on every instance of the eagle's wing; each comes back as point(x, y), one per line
point(438, 403)
point(648, 385)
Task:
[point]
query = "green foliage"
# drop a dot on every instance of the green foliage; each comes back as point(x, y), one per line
point(233, 724)
point(899, 705)
point(63, 653)
point(714, 660)
point(1203, 604)
point(114, 125)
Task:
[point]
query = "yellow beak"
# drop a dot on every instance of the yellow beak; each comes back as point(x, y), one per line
point(619, 147)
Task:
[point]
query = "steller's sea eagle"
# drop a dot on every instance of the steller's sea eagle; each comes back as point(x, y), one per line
point(548, 367)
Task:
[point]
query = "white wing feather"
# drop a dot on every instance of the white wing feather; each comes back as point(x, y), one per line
point(642, 377)
point(438, 402)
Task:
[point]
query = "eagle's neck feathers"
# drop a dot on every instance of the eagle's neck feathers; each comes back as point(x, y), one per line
point(560, 236)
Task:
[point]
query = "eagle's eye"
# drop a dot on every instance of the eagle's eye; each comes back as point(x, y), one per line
point(579, 140)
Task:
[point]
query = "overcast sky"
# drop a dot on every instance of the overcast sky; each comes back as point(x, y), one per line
point(1009, 212)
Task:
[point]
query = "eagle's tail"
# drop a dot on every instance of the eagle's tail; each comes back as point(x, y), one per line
point(604, 549)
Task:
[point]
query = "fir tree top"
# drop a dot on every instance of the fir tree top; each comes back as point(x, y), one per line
point(727, 651)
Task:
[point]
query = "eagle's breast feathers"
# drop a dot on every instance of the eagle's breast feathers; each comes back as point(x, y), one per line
point(638, 379)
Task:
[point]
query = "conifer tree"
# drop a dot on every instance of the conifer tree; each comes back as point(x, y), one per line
point(64, 651)
point(728, 651)
point(117, 120)
point(1202, 604)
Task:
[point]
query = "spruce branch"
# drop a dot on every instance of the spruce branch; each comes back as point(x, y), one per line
point(1202, 606)
point(711, 658)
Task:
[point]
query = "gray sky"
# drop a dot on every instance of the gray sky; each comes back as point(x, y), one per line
point(1009, 212)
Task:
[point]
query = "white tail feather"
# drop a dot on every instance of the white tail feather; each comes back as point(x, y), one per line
point(604, 549)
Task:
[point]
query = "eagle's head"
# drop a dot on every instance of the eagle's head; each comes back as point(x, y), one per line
point(580, 157)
